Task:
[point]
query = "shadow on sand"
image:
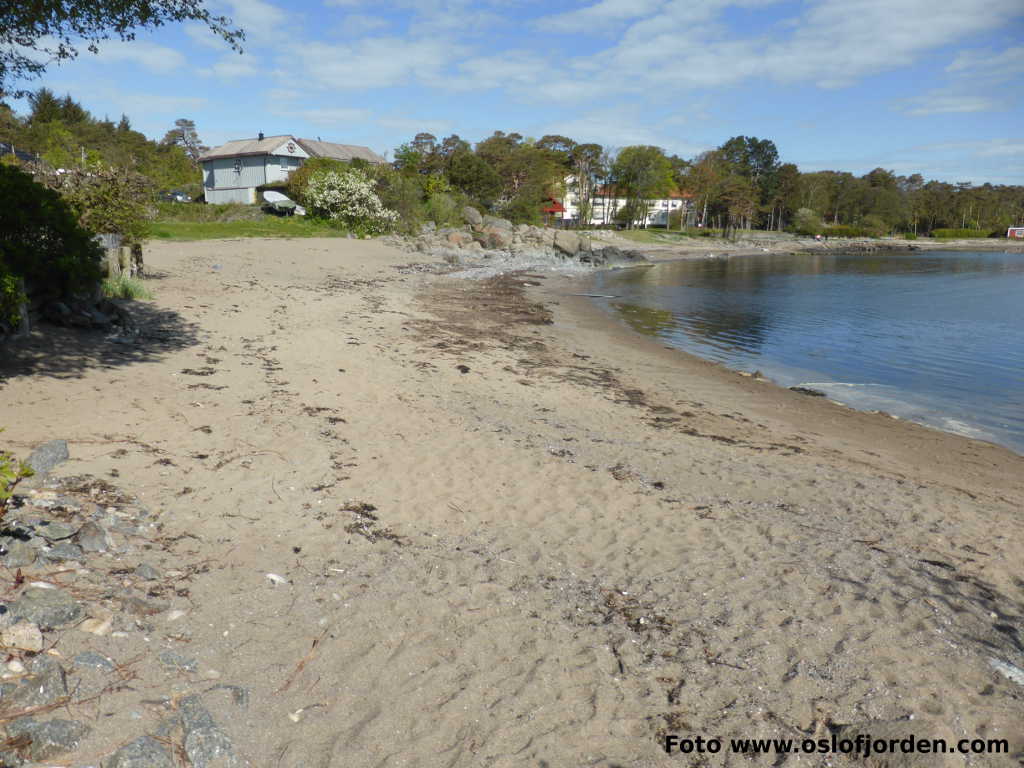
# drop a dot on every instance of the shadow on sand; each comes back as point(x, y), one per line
point(66, 353)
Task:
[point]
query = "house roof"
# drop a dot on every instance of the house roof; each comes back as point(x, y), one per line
point(266, 145)
point(242, 147)
point(340, 151)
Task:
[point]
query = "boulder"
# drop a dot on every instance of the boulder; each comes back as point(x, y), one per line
point(567, 242)
point(497, 222)
point(497, 238)
point(472, 216)
point(458, 238)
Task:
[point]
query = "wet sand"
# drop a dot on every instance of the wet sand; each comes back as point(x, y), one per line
point(516, 534)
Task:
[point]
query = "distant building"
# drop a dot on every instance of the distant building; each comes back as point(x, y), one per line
point(606, 202)
point(1015, 232)
point(233, 171)
point(10, 149)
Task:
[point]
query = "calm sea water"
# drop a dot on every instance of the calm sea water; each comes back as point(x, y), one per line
point(937, 338)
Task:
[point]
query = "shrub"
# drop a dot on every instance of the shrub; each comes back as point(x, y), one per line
point(807, 222)
point(12, 471)
point(403, 194)
point(106, 199)
point(910, 236)
point(958, 233)
point(297, 179)
point(445, 209)
point(41, 239)
point(348, 197)
point(124, 287)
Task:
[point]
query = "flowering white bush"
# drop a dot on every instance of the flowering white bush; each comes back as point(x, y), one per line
point(348, 197)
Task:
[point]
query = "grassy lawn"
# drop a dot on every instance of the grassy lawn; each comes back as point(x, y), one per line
point(265, 226)
point(660, 236)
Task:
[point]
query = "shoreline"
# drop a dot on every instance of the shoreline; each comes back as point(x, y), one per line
point(797, 411)
point(414, 518)
point(589, 308)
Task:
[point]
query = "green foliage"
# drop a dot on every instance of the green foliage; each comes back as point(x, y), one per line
point(11, 299)
point(807, 222)
point(106, 200)
point(299, 178)
point(124, 287)
point(12, 472)
point(958, 234)
point(641, 174)
point(403, 193)
point(909, 236)
point(445, 209)
point(41, 239)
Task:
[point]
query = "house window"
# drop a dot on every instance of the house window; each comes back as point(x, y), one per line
point(238, 165)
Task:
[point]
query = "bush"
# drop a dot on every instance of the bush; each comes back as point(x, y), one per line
point(910, 236)
point(106, 200)
point(41, 239)
point(958, 233)
point(299, 178)
point(12, 471)
point(807, 222)
point(349, 198)
point(445, 209)
point(403, 194)
point(124, 287)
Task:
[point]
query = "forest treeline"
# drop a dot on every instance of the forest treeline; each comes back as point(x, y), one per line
point(742, 184)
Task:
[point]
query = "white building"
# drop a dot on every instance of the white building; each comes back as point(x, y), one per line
point(233, 171)
point(605, 204)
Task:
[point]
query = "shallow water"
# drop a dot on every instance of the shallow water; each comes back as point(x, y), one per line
point(936, 338)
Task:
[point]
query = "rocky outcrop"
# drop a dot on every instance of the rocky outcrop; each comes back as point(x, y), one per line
point(491, 236)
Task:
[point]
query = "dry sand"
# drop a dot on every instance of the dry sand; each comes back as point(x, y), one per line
point(561, 541)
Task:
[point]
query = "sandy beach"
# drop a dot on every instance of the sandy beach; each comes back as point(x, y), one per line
point(508, 531)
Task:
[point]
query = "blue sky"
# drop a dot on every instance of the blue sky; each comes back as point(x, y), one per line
point(930, 86)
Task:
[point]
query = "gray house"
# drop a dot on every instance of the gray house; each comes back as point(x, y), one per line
point(233, 171)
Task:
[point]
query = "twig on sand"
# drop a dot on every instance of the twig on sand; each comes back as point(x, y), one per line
point(274, 489)
point(302, 663)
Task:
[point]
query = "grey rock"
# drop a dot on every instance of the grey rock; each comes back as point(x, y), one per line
point(173, 660)
point(93, 660)
point(94, 538)
point(147, 572)
point(49, 738)
point(140, 606)
point(17, 553)
point(47, 608)
point(54, 530)
point(63, 550)
point(498, 223)
point(144, 752)
point(48, 455)
point(472, 216)
point(428, 226)
point(239, 695)
point(45, 685)
point(567, 242)
point(206, 745)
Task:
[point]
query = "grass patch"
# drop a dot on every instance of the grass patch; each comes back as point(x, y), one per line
point(265, 226)
point(661, 236)
point(124, 287)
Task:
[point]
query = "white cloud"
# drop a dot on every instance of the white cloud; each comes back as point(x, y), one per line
point(359, 24)
point(262, 22)
point(150, 56)
point(602, 16)
point(232, 67)
point(408, 126)
point(941, 102)
point(331, 116)
point(377, 62)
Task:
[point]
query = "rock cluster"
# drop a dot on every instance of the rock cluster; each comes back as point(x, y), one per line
point(490, 235)
point(71, 548)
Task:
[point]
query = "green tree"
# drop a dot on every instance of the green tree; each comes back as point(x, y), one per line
point(55, 28)
point(641, 174)
point(184, 135)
